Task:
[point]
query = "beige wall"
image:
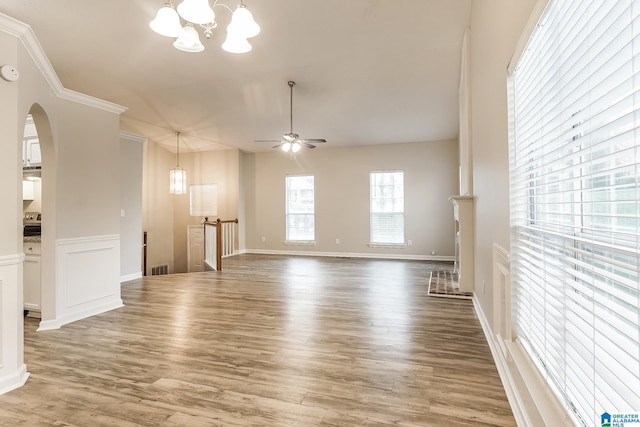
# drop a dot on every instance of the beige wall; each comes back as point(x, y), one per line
point(157, 205)
point(213, 167)
point(166, 216)
point(496, 26)
point(342, 196)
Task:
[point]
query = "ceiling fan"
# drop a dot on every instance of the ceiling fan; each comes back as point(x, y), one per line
point(292, 141)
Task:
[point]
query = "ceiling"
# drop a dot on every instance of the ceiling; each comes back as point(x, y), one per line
point(366, 71)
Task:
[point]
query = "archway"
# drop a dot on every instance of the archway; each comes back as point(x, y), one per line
point(48, 210)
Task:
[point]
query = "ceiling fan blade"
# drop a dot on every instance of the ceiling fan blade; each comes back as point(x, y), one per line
point(306, 144)
point(315, 141)
point(267, 140)
point(278, 145)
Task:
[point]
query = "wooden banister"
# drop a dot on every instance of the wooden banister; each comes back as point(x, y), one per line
point(218, 225)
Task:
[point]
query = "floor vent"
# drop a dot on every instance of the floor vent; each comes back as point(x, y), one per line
point(160, 269)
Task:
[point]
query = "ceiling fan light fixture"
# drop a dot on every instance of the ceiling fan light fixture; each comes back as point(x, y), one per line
point(167, 22)
point(286, 147)
point(295, 147)
point(189, 40)
point(235, 42)
point(242, 18)
point(196, 11)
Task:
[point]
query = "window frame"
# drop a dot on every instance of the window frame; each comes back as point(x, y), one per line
point(290, 237)
point(374, 234)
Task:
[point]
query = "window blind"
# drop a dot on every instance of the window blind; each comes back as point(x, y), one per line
point(575, 204)
point(300, 216)
point(387, 207)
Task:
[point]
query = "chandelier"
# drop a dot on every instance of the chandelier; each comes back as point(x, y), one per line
point(199, 13)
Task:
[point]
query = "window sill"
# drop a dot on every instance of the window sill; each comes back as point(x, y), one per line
point(388, 245)
point(300, 242)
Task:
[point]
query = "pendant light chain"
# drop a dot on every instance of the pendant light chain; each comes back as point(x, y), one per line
point(178, 148)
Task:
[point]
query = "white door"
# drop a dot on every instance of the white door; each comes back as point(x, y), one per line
point(195, 248)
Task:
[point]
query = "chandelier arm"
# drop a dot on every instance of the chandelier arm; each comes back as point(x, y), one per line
point(215, 3)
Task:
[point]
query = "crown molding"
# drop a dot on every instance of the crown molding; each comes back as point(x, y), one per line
point(132, 137)
point(28, 38)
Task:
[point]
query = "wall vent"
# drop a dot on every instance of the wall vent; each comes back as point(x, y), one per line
point(160, 269)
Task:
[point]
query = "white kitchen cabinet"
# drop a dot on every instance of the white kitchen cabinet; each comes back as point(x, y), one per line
point(28, 190)
point(463, 233)
point(31, 279)
point(31, 155)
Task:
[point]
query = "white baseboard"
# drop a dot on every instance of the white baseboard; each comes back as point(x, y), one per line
point(532, 401)
point(128, 277)
point(48, 325)
point(15, 380)
point(350, 255)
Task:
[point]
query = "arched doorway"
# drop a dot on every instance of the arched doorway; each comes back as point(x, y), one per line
point(46, 205)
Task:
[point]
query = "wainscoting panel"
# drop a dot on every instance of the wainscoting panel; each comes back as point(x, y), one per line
point(88, 278)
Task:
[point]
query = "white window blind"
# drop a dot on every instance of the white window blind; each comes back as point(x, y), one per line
point(387, 207)
point(575, 208)
point(300, 208)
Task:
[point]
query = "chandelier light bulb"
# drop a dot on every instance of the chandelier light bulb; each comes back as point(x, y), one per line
point(196, 11)
point(243, 19)
point(295, 147)
point(167, 22)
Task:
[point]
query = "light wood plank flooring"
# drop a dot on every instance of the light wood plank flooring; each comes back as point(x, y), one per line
point(269, 341)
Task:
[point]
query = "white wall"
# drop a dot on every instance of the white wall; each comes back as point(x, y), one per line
point(342, 197)
point(496, 26)
point(80, 197)
point(131, 154)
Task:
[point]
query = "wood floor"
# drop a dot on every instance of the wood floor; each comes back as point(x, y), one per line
point(269, 341)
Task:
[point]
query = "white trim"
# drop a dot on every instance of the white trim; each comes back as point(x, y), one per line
point(14, 381)
point(300, 242)
point(13, 259)
point(532, 23)
point(47, 325)
point(532, 401)
point(24, 32)
point(387, 245)
point(87, 239)
point(128, 277)
point(350, 255)
point(133, 137)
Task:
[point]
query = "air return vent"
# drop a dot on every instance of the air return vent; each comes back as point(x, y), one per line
point(160, 269)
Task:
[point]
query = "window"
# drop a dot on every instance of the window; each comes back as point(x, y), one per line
point(575, 204)
point(300, 208)
point(387, 207)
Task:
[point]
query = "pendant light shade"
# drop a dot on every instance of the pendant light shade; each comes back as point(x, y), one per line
point(235, 43)
point(167, 22)
point(177, 181)
point(196, 11)
point(242, 18)
point(177, 176)
point(189, 40)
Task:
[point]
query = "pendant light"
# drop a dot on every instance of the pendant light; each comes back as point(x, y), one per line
point(178, 176)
